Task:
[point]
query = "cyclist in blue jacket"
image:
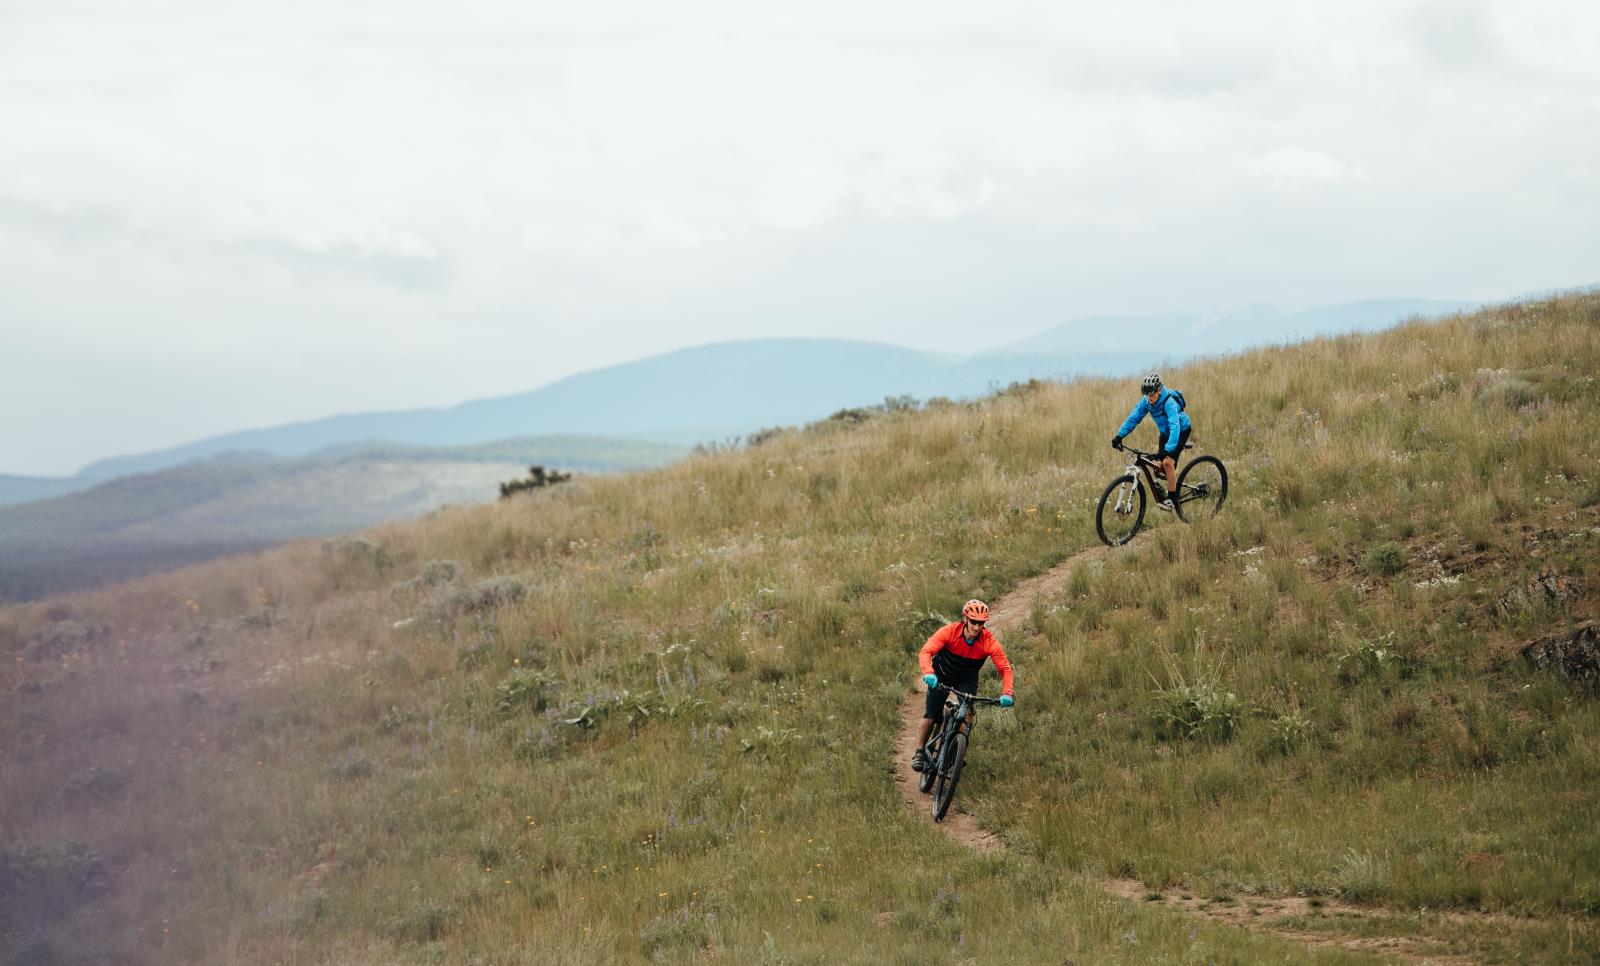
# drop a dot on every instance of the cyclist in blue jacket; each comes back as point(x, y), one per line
point(1164, 405)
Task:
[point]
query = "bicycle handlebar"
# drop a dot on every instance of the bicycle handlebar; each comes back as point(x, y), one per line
point(970, 697)
point(1150, 456)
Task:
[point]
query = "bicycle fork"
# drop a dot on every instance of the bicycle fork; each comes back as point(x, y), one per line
point(1125, 493)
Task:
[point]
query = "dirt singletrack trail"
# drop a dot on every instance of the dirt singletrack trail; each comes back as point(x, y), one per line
point(1260, 914)
point(1005, 615)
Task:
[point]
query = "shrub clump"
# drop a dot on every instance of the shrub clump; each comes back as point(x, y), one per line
point(1361, 877)
point(1199, 710)
point(523, 690)
point(1385, 560)
point(435, 574)
point(63, 636)
point(1499, 386)
point(537, 479)
point(763, 436)
point(355, 551)
point(438, 572)
point(1290, 732)
point(487, 594)
point(1374, 658)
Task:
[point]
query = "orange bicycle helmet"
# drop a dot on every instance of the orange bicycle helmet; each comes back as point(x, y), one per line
point(975, 610)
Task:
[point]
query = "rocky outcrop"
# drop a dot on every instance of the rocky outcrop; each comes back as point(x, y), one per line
point(1548, 587)
point(1573, 654)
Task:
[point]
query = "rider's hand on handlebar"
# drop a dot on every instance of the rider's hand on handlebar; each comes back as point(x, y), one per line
point(930, 680)
point(1005, 701)
point(1116, 442)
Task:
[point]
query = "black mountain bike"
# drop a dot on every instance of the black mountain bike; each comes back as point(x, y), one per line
point(946, 751)
point(1202, 486)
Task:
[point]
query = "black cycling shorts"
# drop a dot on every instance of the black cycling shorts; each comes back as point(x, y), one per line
point(1183, 438)
point(934, 708)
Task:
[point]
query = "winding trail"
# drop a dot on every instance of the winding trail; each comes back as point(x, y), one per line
point(1261, 914)
point(1005, 615)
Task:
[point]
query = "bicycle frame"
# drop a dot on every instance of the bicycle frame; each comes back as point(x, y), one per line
point(960, 713)
point(1147, 464)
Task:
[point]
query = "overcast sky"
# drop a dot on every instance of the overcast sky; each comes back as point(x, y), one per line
point(218, 214)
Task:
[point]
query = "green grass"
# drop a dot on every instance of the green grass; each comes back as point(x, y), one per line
point(673, 741)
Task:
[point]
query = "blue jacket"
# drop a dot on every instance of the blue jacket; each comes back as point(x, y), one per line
point(1165, 413)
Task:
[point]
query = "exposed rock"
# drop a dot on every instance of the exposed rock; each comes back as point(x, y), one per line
point(1548, 587)
point(1573, 654)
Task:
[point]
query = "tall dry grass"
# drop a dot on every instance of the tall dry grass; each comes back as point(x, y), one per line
point(650, 717)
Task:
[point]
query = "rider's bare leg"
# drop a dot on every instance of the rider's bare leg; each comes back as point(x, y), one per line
point(1170, 467)
point(927, 729)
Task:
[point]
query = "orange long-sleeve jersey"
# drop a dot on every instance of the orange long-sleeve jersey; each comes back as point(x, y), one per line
point(948, 655)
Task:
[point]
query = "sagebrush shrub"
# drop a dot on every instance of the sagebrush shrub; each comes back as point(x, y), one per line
point(1385, 560)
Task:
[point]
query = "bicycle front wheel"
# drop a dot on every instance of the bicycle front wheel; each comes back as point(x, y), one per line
point(929, 768)
point(1202, 486)
point(949, 775)
point(1121, 510)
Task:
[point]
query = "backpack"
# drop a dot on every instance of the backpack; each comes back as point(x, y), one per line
point(1182, 406)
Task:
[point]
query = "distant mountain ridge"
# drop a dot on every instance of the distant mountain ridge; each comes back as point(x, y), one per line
point(692, 395)
point(25, 489)
point(1202, 333)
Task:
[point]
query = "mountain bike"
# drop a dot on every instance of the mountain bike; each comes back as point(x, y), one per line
point(1202, 486)
point(946, 751)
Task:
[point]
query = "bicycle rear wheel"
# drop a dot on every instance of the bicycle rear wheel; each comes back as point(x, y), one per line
point(949, 775)
point(1202, 486)
point(1121, 510)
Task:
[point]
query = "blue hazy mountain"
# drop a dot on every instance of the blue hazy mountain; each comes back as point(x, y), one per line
point(710, 393)
point(1211, 333)
point(703, 394)
point(25, 489)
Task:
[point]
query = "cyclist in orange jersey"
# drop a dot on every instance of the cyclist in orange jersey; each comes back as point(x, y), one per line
point(952, 659)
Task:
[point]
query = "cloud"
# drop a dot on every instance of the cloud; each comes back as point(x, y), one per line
point(374, 191)
point(1299, 168)
point(402, 258)
point(1456, 35)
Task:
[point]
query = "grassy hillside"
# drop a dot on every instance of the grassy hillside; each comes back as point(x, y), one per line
point(244, 501)
point(650, 718)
